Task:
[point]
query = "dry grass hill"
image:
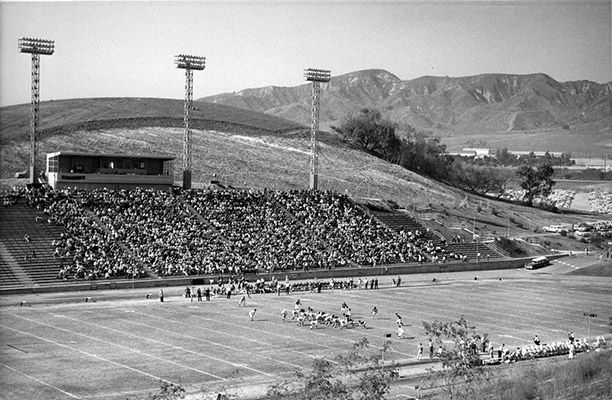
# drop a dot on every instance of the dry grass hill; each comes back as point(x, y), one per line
point(244, 148)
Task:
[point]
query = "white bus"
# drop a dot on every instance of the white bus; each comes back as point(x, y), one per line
point(537, 262)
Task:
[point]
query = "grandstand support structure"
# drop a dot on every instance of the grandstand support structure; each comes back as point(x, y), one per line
point(188, 63)
point(316, 76)
point(36, 47)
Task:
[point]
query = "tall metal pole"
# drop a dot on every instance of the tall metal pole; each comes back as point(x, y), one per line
point(36, 47)
point(314, 129)
point(187, 134)
point(34, 107)
point(316, 76)
point(188, 63)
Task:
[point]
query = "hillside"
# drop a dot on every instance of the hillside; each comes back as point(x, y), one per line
point(245, 148)
point(63, 116)
point(477, 107)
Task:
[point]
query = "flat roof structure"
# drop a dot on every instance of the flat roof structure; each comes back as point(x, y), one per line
point(111, 170)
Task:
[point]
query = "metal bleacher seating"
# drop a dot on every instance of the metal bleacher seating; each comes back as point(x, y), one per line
point(397, 221)
point(403, 221)
point(27, 262)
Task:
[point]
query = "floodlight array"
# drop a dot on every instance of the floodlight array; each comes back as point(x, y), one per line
point(36, 46)
point(317, 75)
point(189, 62)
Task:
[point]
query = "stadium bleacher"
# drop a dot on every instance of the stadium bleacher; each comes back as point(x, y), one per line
point(106, 234)
point(34, 256)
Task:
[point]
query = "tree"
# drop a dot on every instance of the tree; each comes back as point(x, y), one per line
point(371, 131)
point(479, 179)
point(358, 375)
point(462, 371)
point(537, 181)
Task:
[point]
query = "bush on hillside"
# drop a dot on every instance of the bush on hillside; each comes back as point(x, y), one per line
point(512, 247)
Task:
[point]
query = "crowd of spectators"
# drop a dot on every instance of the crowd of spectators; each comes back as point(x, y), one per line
point(568, 347)
point(162, 233)
point(355, 234)
point(263, 233)
point(130, 233)
point(88, 249)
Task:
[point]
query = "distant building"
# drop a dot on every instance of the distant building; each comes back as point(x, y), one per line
point(115, 171)
point(518, 153)
point(593, 163)
point(475, 152)
point(479, 152)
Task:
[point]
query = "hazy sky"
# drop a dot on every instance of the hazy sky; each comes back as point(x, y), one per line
point(126, 49)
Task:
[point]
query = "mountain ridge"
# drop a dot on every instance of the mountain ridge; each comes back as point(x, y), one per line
point(492, 102)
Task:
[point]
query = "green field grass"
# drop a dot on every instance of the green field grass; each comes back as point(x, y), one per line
point(122, 345)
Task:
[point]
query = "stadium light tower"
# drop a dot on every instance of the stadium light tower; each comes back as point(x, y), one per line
point(316, 76)
point(188, 63)
point(36, 47)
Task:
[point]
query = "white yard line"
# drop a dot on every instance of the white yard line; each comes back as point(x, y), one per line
point(157, 378)
point(128, 348)
point(235, 349)
point(41, 382)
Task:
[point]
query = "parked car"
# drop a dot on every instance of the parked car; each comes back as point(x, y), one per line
point(553, 228)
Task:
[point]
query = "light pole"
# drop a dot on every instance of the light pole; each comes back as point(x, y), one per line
point(188, 63)
point(316, 76)
point(36, 47)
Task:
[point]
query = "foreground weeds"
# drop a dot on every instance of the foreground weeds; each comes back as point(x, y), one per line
point(589, 376)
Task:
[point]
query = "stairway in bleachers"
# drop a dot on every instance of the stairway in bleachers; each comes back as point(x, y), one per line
point(403, 221)
point(7, 277)
point(471, 250)
point(33, 257)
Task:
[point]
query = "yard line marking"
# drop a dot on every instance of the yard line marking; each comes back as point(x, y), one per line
point(569, 265)
point(362, 332)
point(122, 347)
point(39, 381)
point(184, 349)
point(223, 345)
point(431, 304)
point(488, 299)
point(243, 327)
point(296, 328)
point(88, 354)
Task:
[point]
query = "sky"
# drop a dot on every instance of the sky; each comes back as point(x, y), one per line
point(127, 49)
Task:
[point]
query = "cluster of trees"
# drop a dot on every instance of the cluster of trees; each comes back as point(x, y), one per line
point(503, 158)
point(589, 174)
point(378, 135)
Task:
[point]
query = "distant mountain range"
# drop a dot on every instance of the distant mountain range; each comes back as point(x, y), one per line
point(488, 103)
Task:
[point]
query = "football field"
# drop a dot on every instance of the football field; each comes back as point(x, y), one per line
point(122, 344)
